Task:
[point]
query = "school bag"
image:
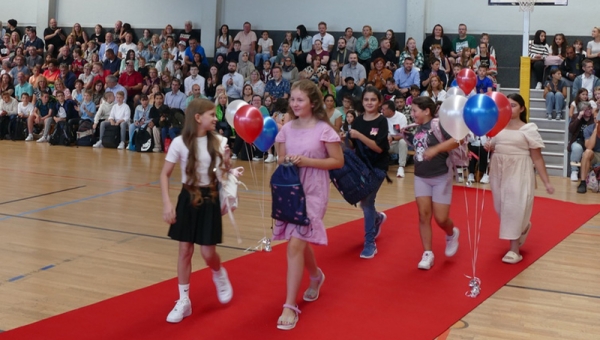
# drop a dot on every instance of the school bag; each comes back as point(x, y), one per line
point(592, 179)
point(85, 133)
point(458, 157)
point(143, 140)
point(357, 179)
point(112, 136)
point(60, 136)
point(287, 193)
point(17, 129)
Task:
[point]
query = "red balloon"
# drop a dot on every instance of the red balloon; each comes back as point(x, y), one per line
point(504, 112)
point(248, 123)
point(466, 80)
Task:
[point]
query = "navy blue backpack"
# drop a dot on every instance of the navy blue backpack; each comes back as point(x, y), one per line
point(287, 193)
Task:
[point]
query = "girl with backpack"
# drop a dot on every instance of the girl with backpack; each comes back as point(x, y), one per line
point(517, 150)
point(433, 179)
point(197, 217)
point(309, 142)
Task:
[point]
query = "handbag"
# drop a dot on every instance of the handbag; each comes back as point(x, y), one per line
point(357, 179)
point(229, 197)
point(287, 193)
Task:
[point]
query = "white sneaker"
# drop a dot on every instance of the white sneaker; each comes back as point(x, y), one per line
point(471, 178)
point(452, 242)
point(485, 179)
point(538, 86)
point(234, 157)
point(400, 172)
point(44, 139)
point(270, 159)
point(98, 144)
point(257, 159)
point(574, 176)
point(460, 177)
point(182, 309)
point(426, 261)
point(121, 146)
point(29, 138)
point(224, 289)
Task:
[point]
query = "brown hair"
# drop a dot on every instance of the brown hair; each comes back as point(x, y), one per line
point(315, 97)
point(189, 135)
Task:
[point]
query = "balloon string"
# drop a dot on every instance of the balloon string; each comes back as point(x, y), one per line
point(254, 177)
point(262, 208)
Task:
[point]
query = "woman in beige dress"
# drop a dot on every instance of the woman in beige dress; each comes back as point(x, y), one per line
point(517, 150)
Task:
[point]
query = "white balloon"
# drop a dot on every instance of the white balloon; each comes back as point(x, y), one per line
point(232, 108)
point(455, 91)
point(451, 116)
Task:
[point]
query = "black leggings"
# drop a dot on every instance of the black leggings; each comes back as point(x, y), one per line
point(538, 71)
point(483, 159)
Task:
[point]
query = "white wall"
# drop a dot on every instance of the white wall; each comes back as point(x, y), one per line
point(578, 18)
point(15, 10)
point(286, 15)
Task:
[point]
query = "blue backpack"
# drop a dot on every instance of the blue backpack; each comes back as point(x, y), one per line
point(287, 193)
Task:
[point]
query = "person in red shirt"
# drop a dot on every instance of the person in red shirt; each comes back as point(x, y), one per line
point(131, 80)
point(100, 74)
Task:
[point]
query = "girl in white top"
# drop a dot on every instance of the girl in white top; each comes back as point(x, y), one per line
point(24, 108)
point(435, 90)
point(224, 41)
point(197, 216)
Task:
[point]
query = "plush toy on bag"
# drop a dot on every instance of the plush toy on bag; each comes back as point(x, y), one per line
point(229, 197)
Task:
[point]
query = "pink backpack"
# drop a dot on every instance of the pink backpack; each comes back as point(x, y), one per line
point(458, 157)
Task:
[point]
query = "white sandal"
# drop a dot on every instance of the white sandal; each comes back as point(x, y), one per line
point(288, 325)
point(307, 294)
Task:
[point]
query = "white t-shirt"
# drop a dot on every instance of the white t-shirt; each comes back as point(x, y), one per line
point(123, 48)
point(265, 44)
point(120, 112)
point(25, 109)
point(594, 46)
point(178, 153)
point(326, 41)
point(396, 123)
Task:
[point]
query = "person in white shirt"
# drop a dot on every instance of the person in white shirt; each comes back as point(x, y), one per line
point(126, 46)
point(396, 122)
point(25, 107)
point(119, 116)
point(265, 49)
point(233, 82)
point(194, 78)
point(175, 99)
point(326, 39)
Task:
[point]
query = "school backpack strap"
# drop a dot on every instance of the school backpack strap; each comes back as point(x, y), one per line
point(458, 157)
point(361, 149)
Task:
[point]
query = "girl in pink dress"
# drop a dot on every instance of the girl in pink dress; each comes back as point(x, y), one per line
point(309, 142)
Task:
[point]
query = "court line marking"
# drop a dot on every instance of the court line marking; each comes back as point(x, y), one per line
point(104, 229)
point(554, 291)
point(71, 177)
point(41, 195)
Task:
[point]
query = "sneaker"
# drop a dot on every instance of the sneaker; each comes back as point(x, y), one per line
point(549, 116)
point(400, 172)
point(471, 178)
point(98, 144)
point(452, 242)
point(257, 159)
point(182, 309)
point(426, 261)
point(270, 159)
point(574, 176)
point(582, 188)
point(29, 138)
point(538, 86)
point(558, 116)
point(234, 156)
point(44, 139)
point(121, 146)
point(224, 289)
point(460, 177)
point(379, 221)
point(485, 179)
point(369, 251)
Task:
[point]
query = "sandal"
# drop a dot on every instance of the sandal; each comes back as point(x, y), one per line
point(311, 291)
point(512, 257)
point(523, 236)
point(286, 325)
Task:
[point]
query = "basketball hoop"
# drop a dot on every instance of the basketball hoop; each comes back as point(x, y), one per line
point(526, 5)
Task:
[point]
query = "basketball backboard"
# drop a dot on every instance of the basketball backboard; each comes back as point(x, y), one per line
point(537, 3)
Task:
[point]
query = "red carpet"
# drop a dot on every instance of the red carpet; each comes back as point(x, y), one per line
point(383, 298)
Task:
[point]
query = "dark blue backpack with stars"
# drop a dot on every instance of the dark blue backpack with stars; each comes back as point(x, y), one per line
point(288, 199)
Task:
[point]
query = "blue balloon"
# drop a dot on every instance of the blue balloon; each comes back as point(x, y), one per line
point(480, 114)
point(266, 139)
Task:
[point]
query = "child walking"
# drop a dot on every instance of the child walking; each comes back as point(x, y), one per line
point(309, 142)
point(517, 149)
point(197, 217)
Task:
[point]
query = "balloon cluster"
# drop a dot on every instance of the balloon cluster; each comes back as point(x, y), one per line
point(250, 125)
point(483, 114)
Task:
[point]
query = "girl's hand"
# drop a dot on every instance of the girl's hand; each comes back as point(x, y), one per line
point(430, 153)
point(549, 188)
point(168, 213)
point(297, 160)
point(488, 146)
point(354, 134)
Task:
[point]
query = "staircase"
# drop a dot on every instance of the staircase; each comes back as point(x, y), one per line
point(555, 133)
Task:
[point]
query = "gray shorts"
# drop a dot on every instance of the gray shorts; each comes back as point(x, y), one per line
point(438, 188)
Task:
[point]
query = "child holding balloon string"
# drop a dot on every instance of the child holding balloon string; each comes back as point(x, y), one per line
point(516, 151)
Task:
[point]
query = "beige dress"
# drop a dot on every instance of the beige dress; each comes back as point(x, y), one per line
point(512, 178)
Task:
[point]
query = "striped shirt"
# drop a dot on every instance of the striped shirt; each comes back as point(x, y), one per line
point(534, 49)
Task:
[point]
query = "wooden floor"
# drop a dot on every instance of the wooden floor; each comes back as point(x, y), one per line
point(80, 225)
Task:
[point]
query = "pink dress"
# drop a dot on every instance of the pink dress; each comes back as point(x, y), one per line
point(310, 143)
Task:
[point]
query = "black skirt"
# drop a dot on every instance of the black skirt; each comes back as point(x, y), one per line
point(201, 224)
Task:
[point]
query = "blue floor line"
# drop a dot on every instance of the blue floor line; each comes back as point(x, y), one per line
point(12, 279)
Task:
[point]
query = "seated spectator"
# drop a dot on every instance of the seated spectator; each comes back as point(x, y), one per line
point(213, 79)
point(42, 111)
point(406, 76)
point(25, 107)
point(59, 86)
point(177, 70)
point(347, 105)
point(258, 87)
point(379, 73)
point(555, 92)
point(234, 54)
point(23, 86)
point(301, 45)
point(340, 54)
point(171, 124)
point(63, 113)
point(390, 91)
point(164, 63)
point(126, 46)
point(314, 71)
point(119, 116)
point(465, 59)
point(112, 85)
point(86, 108)
point(223, 41)
point(355, 70)
point(198, 62)
point(581, 120)
point(365, 45)
point(98, 93)
point(462, 42)
point(538, 51)
point(289, 71)
point(35, 74)
point(485, 38)
point(278, 87)
point(35, 41)
point(585, 80)
point(484, 84)
point(571, 66)
point(335, 74)
point(318, 51)
point(81, 38)
point(194, 94)
point(398, 147)
point(484, 58)
point(265, 49)
point(578, 46)
point(86, 77)
point(67, 76)
point(410, 50)
point(103, 112)
point(247, 93)
point(438, 38)
point(194, 78)
point(435, 89)
point(91, 49)
point(157, 112)
point(8, 111)
point(7, 84)
point(78, 62)
point(285, 53)
point(233, 82)
point(65, 56)
point(347, 125)
point(109, 44)
point(386, 53)
point(70, 44)
point(52, 73)
point(326, 86)
point(191, 50)
point(19, 67)
point(414, 92)
point(98, 35)
point(267, 72)
point(165, 81)
point(349, 90)
point(40, 88)
point(445, 63)
point(131, 80)
point(129, 56)
point(33, 58)
point(112, 63)
point(141, 121)
point(591, 155)
point(400, 103)
point(433, 70)
point(78, 92)
point(175, 99)
point(245, 67)
point(334, 115)
point(394, 46)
